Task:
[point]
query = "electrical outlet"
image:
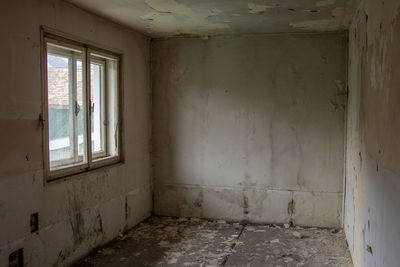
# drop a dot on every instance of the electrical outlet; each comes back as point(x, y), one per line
point(34, 222)
point(16, 259)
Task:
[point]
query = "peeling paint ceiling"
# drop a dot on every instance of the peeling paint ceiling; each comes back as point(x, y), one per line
point(165, 18)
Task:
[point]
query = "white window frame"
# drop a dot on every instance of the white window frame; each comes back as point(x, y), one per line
point(94, 160)
point(72, 100)
point(103, 87)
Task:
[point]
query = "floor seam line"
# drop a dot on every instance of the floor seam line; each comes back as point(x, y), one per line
point(233, 245)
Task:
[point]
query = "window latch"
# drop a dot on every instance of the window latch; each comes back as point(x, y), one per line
point(77, 108)
point(92, 107)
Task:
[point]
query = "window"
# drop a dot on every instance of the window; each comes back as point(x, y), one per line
point(82, 129)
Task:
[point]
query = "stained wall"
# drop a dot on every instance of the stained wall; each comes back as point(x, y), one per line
point(250, 128)
point(83, 211)
point(372, 191)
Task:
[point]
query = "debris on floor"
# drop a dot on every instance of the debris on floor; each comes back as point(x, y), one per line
point(166, 241)
point(296, 234)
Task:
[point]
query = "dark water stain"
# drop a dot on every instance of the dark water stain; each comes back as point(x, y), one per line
point(126, 209)
point(245, 205)
point(199, 200)
point(76, 219)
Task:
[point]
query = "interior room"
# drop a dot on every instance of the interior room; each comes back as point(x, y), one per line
point(200, 133)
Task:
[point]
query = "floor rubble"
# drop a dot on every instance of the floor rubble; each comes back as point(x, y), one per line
point(166, 241)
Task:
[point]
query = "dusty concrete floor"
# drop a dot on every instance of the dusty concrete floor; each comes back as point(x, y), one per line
point(162, 241)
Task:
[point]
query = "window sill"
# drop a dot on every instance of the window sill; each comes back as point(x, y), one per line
point(83, 173)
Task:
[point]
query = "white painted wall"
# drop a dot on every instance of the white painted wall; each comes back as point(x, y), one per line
point(85, 210)
point(244, 125)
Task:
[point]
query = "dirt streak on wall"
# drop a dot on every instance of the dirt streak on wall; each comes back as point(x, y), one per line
point(373, 147)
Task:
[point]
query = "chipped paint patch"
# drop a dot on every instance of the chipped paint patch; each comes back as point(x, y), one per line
point(325, 3)
point(257, 9)
point(339, 18)
point(166, 18)
point(168, 6)
point(313, 24)
point(170, 16)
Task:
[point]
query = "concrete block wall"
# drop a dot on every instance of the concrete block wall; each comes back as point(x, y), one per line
point(85, 210)
point(250, 128)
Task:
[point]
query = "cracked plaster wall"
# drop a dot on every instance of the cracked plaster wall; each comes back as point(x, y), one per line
point(372, 197)
point(87, 210)
point(250, 128)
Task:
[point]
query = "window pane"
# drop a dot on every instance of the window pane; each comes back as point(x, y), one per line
point(97, 108)
point(65, 106)
point(112, 107)
point(81, 109)
point(104, 107)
